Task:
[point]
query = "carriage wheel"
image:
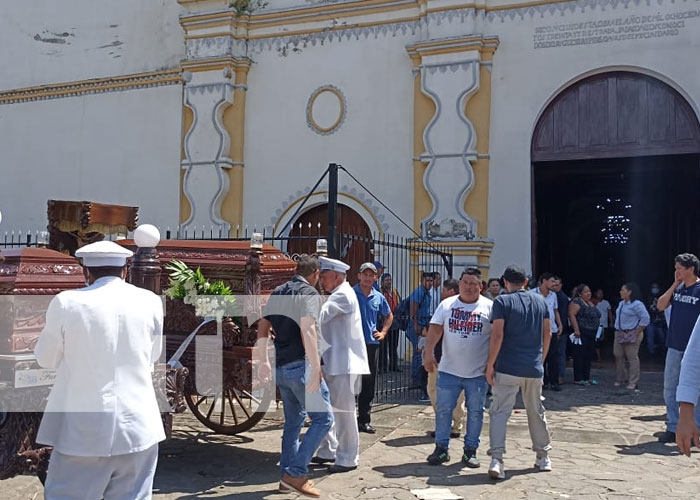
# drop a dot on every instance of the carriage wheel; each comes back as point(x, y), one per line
point(231, 411)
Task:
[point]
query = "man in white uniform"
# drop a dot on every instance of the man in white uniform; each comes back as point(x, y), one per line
point(102, 417)
point(464, 324)
point(344, 361)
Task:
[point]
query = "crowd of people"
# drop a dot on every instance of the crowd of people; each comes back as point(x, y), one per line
point(104, 423)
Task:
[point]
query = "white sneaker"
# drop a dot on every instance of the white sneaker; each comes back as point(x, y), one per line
point(496, 469)
point(543, 464)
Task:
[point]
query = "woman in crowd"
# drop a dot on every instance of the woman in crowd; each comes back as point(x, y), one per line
point(584, 318)
point(493, 288)
point(631, 319)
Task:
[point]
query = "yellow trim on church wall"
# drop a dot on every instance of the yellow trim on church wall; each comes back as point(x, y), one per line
point(478, 110)
point(215, 64)
point(187, 121)
point(312, 101)
point(335, 12)
point(423, 111)
point(255, 24)
point(234, 121)
point(92, 86)
point(324, 29)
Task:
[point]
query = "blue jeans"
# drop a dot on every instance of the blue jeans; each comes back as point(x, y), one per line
point(672, 372)
point(656, 337)
point(448, 388)
point(291, 380)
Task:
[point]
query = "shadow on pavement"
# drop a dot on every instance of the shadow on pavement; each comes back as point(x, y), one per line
point(651, 447)
point(650, 418)
point(409, 441)
point(186, 466)
point(455, 474)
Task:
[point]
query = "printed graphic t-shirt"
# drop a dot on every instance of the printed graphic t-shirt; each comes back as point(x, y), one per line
point(466, 336)
point(684, 313)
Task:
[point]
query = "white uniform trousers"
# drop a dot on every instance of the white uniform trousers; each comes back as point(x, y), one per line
point(120, 477)
point(342, 442)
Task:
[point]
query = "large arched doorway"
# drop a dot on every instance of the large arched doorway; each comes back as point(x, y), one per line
point(616, 176)
point(354, 235)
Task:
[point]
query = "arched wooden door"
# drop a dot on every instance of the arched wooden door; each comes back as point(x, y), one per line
point(354, 239)
point(616, 115)
point(616, 170)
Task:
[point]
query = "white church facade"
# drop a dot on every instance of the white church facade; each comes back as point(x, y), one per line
point(204, 114)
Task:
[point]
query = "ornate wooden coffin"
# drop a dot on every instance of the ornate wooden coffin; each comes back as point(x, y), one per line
point(73, 224)
point(29, 278)
point(246, 272)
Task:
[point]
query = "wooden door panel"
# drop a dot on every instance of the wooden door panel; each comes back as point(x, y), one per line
point(616, 114)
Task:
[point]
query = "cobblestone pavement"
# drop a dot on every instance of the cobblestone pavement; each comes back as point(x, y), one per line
point(603, 439)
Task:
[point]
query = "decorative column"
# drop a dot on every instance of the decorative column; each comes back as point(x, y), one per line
point(452, 102)
point(145, 271)
point(215, 72)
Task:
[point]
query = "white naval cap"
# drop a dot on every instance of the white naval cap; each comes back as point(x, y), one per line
point(103, 254)
point(333, 265)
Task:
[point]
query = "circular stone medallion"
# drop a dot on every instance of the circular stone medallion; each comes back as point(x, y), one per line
point(325, 111)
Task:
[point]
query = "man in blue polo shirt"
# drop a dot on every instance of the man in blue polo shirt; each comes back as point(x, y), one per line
point(684, 297)
point(372, 303)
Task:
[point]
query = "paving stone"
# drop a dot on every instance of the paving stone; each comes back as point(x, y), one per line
point(603, 448)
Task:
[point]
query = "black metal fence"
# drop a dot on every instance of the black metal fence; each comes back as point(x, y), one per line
point(400, 376)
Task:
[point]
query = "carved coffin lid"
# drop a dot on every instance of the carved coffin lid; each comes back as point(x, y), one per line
point(225, 260)
point(90, 216)
point(38, 271)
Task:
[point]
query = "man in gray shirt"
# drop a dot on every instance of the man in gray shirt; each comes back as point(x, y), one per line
point(519, 342)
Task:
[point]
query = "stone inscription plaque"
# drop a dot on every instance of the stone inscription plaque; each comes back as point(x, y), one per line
point(632, 27)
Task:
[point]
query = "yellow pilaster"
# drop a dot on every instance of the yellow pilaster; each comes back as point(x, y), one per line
point(187, 121)
point(478, 111)
point(234, 121)
point(423, 111)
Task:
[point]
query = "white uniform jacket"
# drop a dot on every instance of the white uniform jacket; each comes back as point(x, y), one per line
point(341, 329)
point(102, 341)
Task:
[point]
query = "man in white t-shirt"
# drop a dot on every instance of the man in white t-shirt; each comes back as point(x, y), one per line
point(604, 307)
point(548, 283)
point(464, 324)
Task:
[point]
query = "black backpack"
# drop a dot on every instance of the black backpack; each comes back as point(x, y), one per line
point(402, 313)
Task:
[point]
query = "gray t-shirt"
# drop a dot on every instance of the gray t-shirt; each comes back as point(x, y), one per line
point(521, 351)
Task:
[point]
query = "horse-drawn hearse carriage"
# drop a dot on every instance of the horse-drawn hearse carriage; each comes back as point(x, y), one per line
point(30, 277)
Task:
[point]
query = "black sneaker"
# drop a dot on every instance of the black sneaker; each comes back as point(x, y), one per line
point(667, 437)
point(470, 460)
point(439, 456)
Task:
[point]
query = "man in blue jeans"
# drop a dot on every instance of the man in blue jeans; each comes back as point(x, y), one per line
point(684, 297)
point(464, 324)
point(419, 317)
point(292, 311)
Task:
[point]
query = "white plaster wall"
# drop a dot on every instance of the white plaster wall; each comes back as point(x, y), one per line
point(121, 148)
point(524, 82)
point(284, 156)
point(52, 41)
